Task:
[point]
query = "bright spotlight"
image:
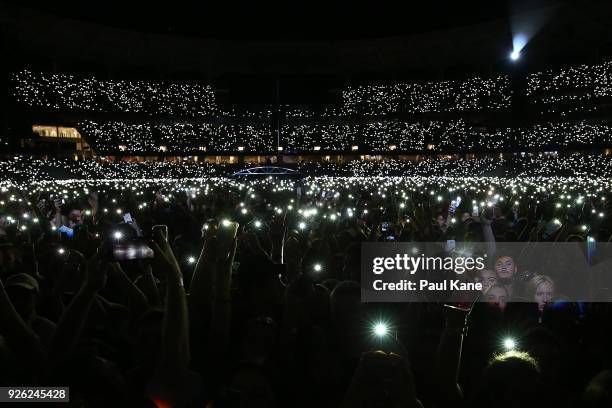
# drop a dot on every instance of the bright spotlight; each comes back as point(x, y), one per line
point(257, 224)
point(519, 41)
point(509, 343)
point(191, 260)
point(380, 329)
point(117, 235)
point(317, 267)
point(302, 225)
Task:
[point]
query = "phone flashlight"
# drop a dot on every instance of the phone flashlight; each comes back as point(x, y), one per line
point(380, 329)
point(509, 343)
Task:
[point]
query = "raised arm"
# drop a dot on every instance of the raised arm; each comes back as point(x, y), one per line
point(19, 336)
point(448, 358)
point(488, 236)
point(201, 290)
point(146, 284)
point(137, 301)
point(175, 332)
point(222, 306)
point(71, 323)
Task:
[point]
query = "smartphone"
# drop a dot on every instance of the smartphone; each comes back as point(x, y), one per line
point(591, 248)
point(256, 226)
point(68, 231)
point(163, 228)
point(132, 250)
point(450, 245)
point(127, 218)
point(475, 211)
point(226, 233)
point(459, 306)
point(384, 227)
point(552, 227)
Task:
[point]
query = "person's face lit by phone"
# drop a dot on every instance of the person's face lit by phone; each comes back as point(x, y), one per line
point(544, 294)
point(488, 278)
point(75, 217)
point(498, 296)
point(10, 260)
point(505, 267)
point(441, 222)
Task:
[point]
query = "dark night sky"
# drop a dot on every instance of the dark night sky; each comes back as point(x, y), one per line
point(289, 19)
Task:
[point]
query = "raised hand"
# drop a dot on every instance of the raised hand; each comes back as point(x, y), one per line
point(164, 254)
point(175, 343)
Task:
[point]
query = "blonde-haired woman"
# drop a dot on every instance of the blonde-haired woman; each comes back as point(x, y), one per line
point(541, 289)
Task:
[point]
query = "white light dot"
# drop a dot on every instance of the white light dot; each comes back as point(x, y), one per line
point(380, 329)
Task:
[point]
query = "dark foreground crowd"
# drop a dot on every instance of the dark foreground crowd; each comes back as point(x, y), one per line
point(247, 294)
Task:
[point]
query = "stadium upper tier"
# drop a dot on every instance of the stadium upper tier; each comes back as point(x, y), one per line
point(548, 110)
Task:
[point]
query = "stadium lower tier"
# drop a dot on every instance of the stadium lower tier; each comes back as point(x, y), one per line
point(27, 169)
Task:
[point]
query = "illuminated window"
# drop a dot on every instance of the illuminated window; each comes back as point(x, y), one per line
point(240, 148)
point(430, 147)
point(317, 147)
point(163, 149)
point(392, 147)
point(59, 132)
point(355, 147)
point(280, 148)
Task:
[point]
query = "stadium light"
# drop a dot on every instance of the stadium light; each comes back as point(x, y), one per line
point(515, 55)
